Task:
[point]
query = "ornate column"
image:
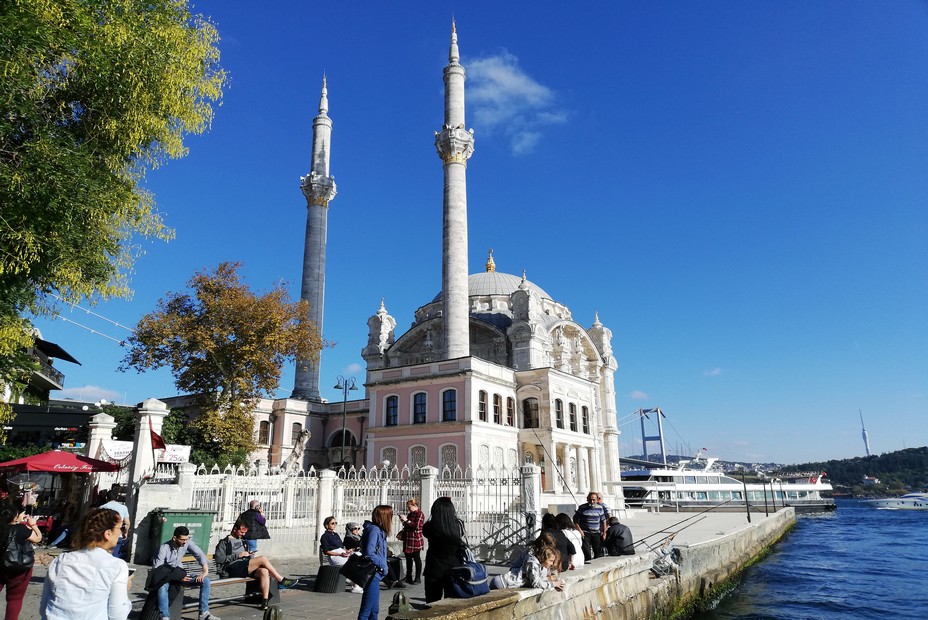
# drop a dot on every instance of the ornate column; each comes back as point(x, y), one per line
point(455, 145)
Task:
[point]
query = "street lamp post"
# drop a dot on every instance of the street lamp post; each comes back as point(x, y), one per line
point(345, 385)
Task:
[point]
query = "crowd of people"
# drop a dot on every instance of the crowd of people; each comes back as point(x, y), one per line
point(91, 581)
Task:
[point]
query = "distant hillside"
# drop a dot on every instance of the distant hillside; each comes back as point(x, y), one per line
point(896, 470)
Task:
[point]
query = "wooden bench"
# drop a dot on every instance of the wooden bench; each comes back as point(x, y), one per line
point(252, 589)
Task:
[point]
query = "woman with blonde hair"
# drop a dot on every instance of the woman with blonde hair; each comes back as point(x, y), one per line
point(89, 583)
point(374, 546)
point(413, 542)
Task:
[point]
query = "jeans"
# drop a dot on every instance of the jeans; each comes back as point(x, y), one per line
point(64, 534)
point(251, 545)
point(164, 606)
point(370, 600)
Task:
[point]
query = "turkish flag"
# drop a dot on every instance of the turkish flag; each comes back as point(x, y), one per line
point(157, 441)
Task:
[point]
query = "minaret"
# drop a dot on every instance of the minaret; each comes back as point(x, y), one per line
point(455, 145)
point(863, 432)
point(319, 189)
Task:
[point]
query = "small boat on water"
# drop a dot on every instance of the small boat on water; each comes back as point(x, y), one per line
point(688, 489)
point(909, 501)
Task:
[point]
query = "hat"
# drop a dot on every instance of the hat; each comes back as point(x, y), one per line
point(351, 525)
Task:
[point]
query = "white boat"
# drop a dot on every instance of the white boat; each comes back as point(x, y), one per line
point(909, 501)
point(689, 489)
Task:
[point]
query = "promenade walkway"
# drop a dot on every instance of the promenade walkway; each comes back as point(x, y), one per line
point(302, 603)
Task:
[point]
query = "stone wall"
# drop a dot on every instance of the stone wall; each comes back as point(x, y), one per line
point(622, 588)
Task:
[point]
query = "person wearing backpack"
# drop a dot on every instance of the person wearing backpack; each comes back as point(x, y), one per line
point(18, 532)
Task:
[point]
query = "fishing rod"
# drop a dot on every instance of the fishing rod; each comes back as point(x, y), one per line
point(666, 539)
point(553, 462)
point(693, 516)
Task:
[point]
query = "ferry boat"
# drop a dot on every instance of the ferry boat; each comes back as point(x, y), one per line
point(689, 489)
point(909, 501)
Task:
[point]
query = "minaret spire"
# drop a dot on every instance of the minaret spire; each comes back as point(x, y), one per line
point(455, 145)
point(319, 188)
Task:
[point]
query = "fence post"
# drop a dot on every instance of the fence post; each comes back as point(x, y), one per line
point(428, 482)
point(531, 498)
point(228, 510)
point(324, 503)
point(289, 500)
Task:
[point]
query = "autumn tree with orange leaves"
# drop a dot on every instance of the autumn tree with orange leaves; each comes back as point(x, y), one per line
point(226, 346)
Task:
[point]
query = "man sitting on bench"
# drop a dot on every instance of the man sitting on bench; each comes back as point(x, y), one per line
point(172, 553)
point(234, 560)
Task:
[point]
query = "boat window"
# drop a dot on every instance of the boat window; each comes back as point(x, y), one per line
point(678, 479)
point(689, 479)
point(714, 495)
point(701, 480)
point(736, 495)
point(700, 495)
point(727, 480)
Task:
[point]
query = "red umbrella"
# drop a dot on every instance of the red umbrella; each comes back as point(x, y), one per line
point(58, 462)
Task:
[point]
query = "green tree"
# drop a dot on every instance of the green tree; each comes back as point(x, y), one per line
point(226, 346)
point(93, 93)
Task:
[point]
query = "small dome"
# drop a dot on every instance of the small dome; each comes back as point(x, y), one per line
point(496, 283)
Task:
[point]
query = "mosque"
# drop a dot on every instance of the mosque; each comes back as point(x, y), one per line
point(493, 371)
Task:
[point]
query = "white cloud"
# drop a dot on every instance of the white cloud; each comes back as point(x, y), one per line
point(503, 97)
point(712, 372)
point(89, 393)
point(638, 395)
point(353, 368)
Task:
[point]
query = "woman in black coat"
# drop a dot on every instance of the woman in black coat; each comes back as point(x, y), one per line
point(445, 533)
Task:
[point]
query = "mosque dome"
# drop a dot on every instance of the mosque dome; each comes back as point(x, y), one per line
point(490, 283)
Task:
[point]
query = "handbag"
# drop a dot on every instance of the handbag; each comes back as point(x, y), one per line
point(17, 556)
point(401, 535)
point(359, 569)
point(470, 578)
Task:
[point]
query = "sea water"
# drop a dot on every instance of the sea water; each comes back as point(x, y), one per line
point(857, 562)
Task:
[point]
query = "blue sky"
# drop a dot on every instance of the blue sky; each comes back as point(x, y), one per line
point(738, 188)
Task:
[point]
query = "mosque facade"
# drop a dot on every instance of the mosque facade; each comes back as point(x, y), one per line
point(493, 372)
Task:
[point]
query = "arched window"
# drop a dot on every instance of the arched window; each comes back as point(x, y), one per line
point(388, 454)
point(417, 457)
point(497, 409)
point(510, 411)
point(482, 406)
point(264, 433)
point(393, 407)
point(530, 413)
point(295, 431)
point(449, 456)
point(585, 418)
point(559, 413)
point(572, 408)
point(418, 408)
point(449, 406)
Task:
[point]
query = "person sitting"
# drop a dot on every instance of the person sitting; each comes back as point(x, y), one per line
point(352, 538)
point(619, 538)
point(565, 546)
point(334, 550)
point(575, 535)
point(171, 554)
point(234, 560)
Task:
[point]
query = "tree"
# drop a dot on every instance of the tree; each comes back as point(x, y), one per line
point(93, 93)
point(226, 346)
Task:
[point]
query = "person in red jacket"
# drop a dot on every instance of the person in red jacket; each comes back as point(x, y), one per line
point(413, 541)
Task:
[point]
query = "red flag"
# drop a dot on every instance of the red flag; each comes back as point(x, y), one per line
point(157, 441)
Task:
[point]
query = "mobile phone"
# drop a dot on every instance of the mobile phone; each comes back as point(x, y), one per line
point(131, 571)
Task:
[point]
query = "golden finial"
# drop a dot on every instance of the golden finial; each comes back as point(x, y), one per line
point(491, 266)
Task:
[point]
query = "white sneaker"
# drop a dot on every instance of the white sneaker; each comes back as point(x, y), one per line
point(357, 590)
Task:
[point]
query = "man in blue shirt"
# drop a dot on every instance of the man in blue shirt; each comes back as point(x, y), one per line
point(592, 517)
point(172, 553)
